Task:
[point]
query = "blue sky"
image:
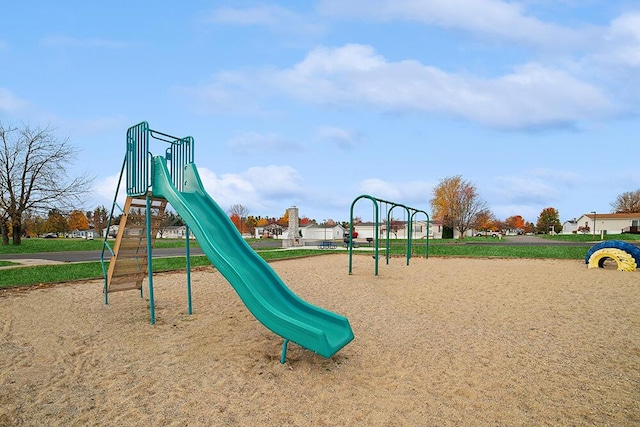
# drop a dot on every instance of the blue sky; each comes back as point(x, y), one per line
point(314, 103)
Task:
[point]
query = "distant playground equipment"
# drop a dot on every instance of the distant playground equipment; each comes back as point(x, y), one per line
point(389, 207)
point(625, 255)
point(151, 183)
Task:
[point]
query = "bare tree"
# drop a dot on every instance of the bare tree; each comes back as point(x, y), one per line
point(4, 226)
point(456, 203)
point(33, 175)
point(628, 202)
point(241, 212)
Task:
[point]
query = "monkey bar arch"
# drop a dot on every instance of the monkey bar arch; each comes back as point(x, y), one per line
point(410, 212)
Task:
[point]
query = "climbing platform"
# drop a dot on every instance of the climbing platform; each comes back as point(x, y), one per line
point(128, 264)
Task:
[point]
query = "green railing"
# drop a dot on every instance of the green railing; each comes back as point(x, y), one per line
point(138, 158)
point(136, 168)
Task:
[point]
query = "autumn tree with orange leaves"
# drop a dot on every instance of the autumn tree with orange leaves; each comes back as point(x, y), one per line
point(456, 203)
point(283, 221)
point(78, 221)
point(515, 222)
point(486, 221)
point(238, 215)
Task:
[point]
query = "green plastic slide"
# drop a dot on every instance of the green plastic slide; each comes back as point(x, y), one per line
point(259, 287)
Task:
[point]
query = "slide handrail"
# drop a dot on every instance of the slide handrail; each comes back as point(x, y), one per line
point(138, 158)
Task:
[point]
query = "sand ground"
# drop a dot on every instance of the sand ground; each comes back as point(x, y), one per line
point(440, 342)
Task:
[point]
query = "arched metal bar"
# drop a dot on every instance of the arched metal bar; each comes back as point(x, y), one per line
point(411, 212)
point(426, 235)
point(376, 225)
point(393, 206)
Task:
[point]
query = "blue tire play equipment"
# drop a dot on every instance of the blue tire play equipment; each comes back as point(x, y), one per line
point(629, 248)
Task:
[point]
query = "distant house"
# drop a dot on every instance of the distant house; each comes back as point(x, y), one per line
point(322, 232)
point(399, 230)
point(82, 234)
point(609, 223)
point(174, 232)
point(270, 231)
point(112, 231)
point(570, 227)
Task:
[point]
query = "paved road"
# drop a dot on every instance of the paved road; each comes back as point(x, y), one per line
point(527, 241)
point(536, 241)
point(83, 256)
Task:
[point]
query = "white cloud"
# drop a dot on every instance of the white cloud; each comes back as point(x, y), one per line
point(256, 143)
point(615, 58)
point(558, 177)
point(260, 189)
point(490, 18)
point(535, 187)
point(104, 191)
point(414, 194)
point(342, 138)
point(274, 17)
point(9, 102)
point(380, 188)
point(623, 41)
point(529, 97)
point(275, 181)
point(529, 193)
point(532, 96)
point(524, 190)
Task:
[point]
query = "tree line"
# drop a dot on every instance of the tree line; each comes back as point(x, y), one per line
point(457, 204)
point(36, 191)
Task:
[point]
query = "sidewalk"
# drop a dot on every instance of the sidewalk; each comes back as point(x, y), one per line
point(30, 262)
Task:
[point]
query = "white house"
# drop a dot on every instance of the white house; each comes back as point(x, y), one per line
point(609, 223)
point(83, 234)
point(570, 227)
point(174, 232)
point(322, 232)
point(399, 230)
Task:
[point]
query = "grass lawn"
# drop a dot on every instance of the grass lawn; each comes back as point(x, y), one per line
point(37, 245)
point(7, 263)
point(500, 251)
point(591, 238)
point(25, 276)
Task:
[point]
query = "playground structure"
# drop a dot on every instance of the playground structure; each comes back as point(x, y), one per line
point(625, 255)
point(390, 206)
point(151, 183)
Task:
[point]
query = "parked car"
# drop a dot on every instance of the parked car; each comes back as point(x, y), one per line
point(494, 234)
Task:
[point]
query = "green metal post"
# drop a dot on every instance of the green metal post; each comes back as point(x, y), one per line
point(188, 272)
point(283, 356)
point(376, 239)
point(388, 244)
point(410, 230)
point(152, 312)
point(426, 249)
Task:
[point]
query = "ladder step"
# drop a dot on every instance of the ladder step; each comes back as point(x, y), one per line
point(133, 242)
point(128, 266)
point(125, 286)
